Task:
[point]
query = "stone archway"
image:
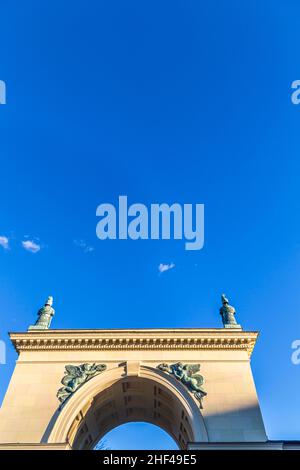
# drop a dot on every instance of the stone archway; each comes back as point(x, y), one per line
point(115, 398)
point(133, 386)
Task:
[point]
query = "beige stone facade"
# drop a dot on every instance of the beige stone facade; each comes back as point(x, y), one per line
point(132, 388)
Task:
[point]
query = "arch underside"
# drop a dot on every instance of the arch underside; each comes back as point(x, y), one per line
point(130, 399)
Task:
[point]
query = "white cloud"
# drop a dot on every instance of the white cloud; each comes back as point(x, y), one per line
point(165, 267)
point(31, 246)
point(84, 246)
point(88, 249)
point(4, 242)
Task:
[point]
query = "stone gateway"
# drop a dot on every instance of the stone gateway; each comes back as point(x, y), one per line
point(70, 387)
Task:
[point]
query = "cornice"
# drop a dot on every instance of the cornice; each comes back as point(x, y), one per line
point(143, 339)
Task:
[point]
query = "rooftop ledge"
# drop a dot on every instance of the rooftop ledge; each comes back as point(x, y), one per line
point(154, 338)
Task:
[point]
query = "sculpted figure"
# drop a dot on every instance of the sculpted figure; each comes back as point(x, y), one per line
point(75, 376)
point(187, 374)
point(45, 315)
point(227, 313)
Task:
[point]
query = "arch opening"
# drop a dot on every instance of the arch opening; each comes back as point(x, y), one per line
point(137, 436)
point(130, 399)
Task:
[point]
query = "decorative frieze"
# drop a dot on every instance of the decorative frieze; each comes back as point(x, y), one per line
point(181, 339)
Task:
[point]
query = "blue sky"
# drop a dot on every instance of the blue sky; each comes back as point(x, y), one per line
point(183, 102)
point(139, 436)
